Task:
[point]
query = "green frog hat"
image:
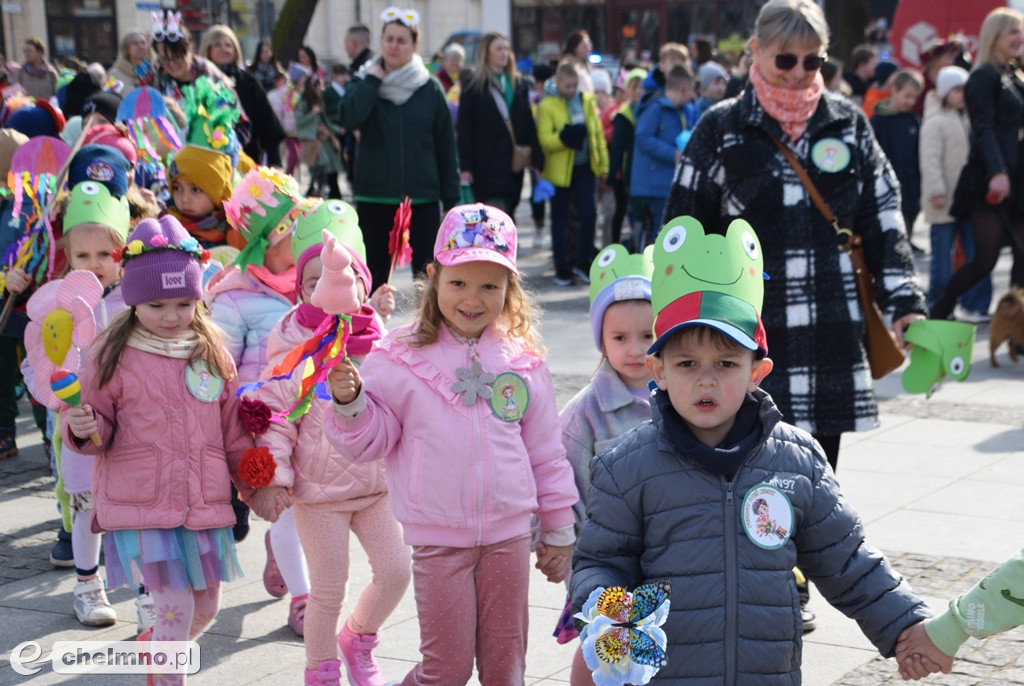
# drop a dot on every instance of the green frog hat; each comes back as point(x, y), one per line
point(617, 275)
point(341, 220)
point(709, 280)
point(261, 208)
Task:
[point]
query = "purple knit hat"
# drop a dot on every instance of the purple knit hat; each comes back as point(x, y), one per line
point(161, 261)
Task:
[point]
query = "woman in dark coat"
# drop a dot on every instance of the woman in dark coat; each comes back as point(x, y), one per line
point(496, 93)
point(220, 46)
point(731, 168)
point(990, 192)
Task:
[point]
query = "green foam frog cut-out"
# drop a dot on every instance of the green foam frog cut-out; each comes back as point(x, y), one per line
point(686, 260)
point(941, 348)
point(335, 216)
point(616, 262)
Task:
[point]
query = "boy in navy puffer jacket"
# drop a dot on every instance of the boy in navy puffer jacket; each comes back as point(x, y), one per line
point(719, 496)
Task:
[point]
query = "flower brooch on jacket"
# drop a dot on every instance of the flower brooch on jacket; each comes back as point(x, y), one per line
point(623, 642)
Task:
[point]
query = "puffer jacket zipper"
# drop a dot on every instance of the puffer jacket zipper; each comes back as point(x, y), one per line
point(731, 586)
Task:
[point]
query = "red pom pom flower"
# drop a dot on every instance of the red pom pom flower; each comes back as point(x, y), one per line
point(257, 467)
point(255, 416)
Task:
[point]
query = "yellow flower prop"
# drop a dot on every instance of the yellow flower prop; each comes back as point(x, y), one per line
point(135, 247)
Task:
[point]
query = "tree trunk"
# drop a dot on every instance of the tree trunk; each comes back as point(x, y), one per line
point(848, 20)
point(292, 24)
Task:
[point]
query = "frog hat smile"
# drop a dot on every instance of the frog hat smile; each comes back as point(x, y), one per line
point(709, 280)
point(617, 275)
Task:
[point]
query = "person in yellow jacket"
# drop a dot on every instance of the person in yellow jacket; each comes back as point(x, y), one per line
point(576, 155)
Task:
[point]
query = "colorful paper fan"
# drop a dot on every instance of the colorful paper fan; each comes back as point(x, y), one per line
point(33, 251)
point(40, 155)
point(150, 126)
point(61, 322)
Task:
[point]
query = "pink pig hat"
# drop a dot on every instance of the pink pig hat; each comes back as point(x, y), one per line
point(476, 233)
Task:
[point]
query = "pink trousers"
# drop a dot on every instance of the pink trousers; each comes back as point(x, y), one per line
point(472, 603)
point(324, 531)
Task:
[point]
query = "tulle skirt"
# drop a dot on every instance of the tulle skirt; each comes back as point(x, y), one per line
point(171, 558)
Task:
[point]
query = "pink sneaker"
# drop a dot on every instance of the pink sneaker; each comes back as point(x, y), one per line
point(272, 579)
point(357, 652)
point(297, 616)
point(328, 673)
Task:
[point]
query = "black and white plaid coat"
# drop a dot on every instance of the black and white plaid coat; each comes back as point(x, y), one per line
point(730, 169)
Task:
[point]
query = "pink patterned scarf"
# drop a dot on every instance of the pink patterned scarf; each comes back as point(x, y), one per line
point(791, 107)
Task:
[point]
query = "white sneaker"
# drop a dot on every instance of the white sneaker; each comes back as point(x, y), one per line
point(538, 238)
point(146, 609)
point(972, 316)
point(91, 606)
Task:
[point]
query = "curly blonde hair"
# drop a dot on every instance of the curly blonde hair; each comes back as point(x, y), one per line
point(516, 320)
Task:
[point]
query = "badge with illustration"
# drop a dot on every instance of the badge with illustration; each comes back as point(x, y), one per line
point(203, 382)
point(830, 155)
point(767, 517)
point(510, 398)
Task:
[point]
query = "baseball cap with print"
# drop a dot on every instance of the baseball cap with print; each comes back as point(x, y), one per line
point(476, 233)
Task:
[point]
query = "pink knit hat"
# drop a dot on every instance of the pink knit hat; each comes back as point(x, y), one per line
point(162, 261)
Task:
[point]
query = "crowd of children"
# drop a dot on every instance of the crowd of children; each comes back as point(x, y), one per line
point(439, 444)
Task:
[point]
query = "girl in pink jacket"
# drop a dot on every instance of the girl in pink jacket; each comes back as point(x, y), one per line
point(331, 495)
point(461, 407)
point(161, 479)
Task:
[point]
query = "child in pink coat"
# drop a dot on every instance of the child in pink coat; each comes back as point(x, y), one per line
point(332, 496)
point(161, 480)
point(466, 464)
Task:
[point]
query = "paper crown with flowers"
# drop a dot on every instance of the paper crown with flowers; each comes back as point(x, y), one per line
point(708, 280)
point(259, 209)
point(335, 216)
point(212, 112)
point(408, 17)
point(157, 243)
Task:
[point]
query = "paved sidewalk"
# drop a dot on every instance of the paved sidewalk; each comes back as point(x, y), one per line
point(938, 486)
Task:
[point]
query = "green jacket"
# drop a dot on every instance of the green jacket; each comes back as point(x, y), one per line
point(332, 104)
point(994, 605)
point(552, 117)
point(306, 127)
point(406, 149)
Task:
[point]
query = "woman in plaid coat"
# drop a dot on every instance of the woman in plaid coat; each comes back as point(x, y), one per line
point(731, 168)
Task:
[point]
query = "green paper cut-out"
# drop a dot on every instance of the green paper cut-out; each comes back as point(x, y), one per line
point(616, 262)
point(688, 261)
point(941, 348)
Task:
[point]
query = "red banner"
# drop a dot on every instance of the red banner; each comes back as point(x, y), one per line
point(919, 22)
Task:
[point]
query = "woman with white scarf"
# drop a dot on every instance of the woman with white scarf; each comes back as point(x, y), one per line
point(406, 144)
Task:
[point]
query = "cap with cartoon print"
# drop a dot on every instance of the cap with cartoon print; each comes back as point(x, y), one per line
point(476, 233)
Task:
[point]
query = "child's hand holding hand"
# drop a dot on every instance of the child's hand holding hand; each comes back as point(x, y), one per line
point(270, 501)
point(345, 382)
point(18, 280)
point(553, 561)
point(918, 656)
point(383, 301)
point(82, 421)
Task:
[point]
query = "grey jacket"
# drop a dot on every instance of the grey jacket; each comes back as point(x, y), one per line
point(654, 514)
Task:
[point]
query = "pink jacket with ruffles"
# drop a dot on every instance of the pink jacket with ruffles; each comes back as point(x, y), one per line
point(306, 462)
point(458, 475)
point(166, 457)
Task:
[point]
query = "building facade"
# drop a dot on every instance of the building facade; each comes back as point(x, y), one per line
point(92, 29)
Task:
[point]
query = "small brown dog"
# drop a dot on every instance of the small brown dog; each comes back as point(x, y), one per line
point(1007, 325)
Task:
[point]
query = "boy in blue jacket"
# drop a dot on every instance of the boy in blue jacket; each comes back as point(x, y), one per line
point(658, 124)
point(719, 496)
point(898, 130)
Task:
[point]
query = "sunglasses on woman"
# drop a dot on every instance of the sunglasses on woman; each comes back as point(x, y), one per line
point(787, 60)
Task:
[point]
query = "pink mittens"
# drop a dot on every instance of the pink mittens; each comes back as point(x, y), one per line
point(335, 292)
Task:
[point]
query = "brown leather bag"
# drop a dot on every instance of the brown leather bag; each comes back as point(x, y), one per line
point(884, 355)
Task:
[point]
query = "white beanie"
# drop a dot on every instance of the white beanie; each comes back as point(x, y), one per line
point(602, 81)
point(948, 79)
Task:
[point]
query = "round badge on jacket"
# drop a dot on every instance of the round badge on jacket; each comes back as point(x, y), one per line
point(510, 398)
point(767, 517)
point(830, 155)
point(203, 382)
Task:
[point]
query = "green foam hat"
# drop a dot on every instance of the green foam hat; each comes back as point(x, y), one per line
point(941, 348)
point(91, 202)
point(617, 275)
point(709, 280)
point(336, 216)
point(261, 208)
